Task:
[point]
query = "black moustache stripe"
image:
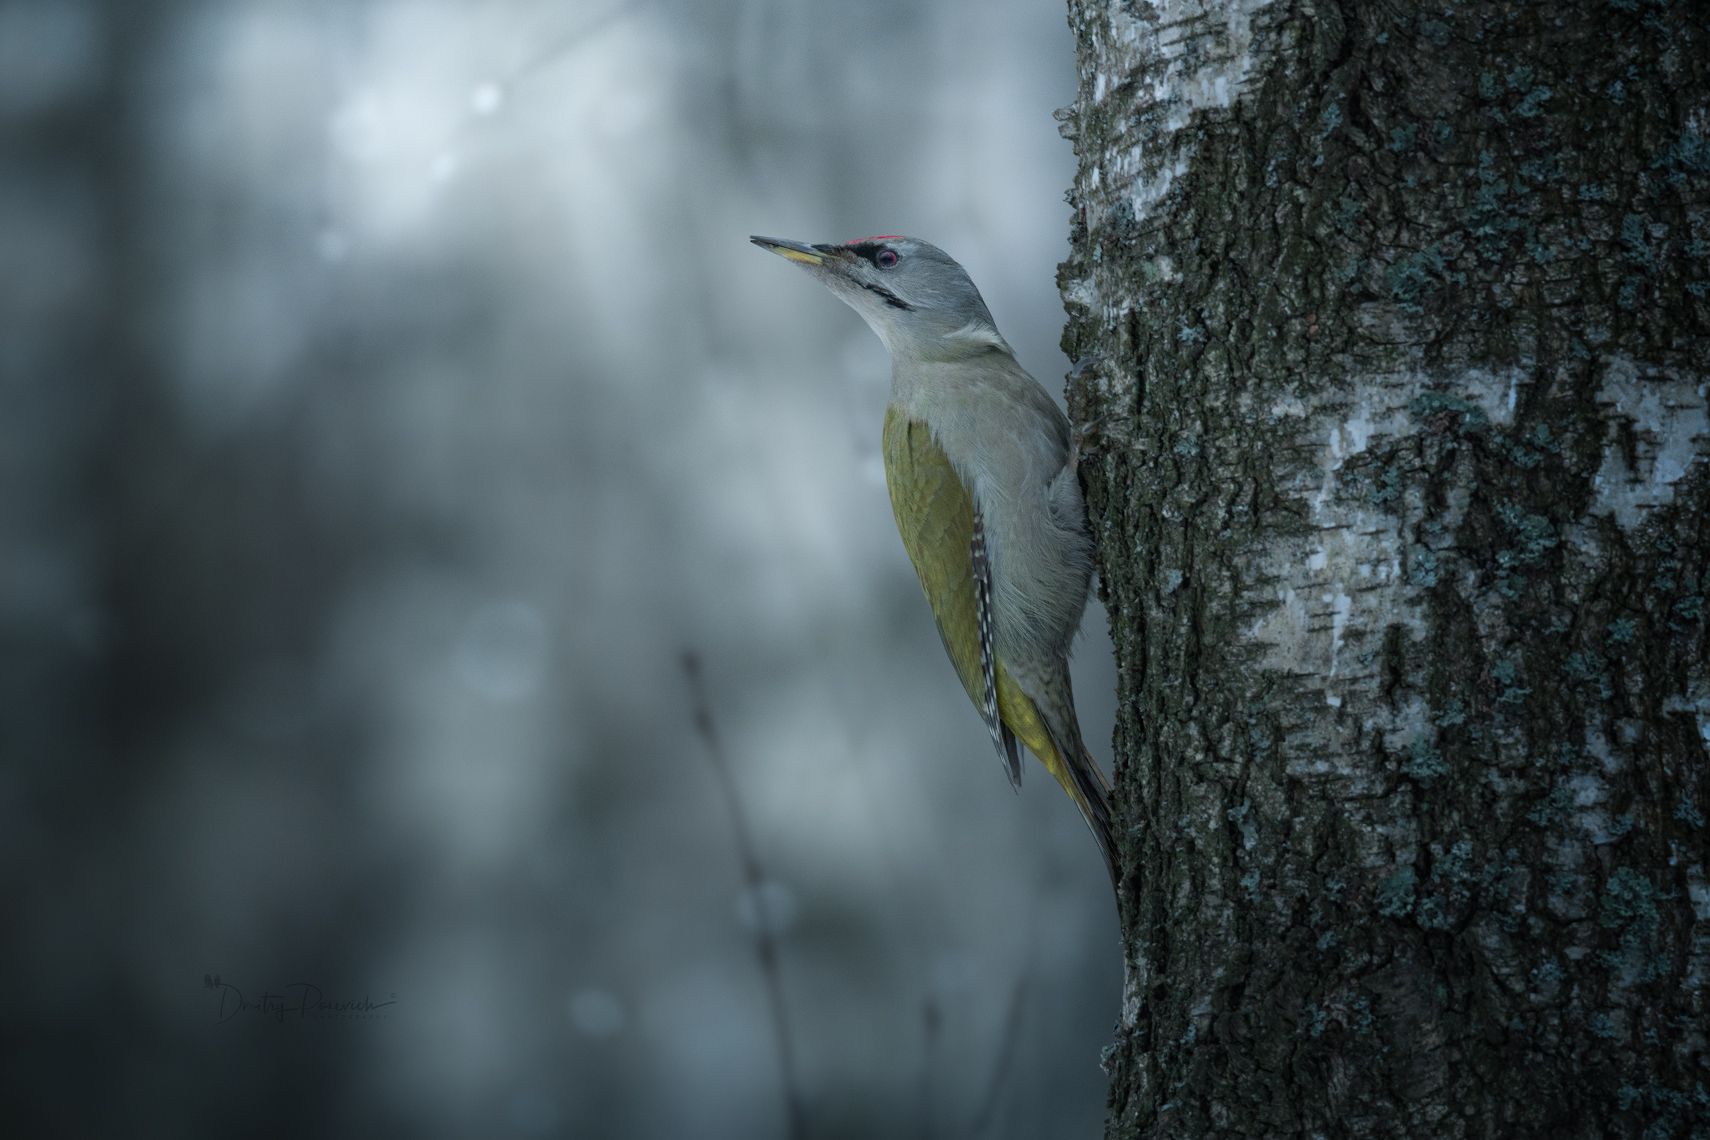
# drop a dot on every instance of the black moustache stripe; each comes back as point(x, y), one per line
point(891, 298)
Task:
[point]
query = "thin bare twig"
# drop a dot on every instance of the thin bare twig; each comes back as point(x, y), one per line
point(753, 877)
point(572, 38)
point(932, 1020)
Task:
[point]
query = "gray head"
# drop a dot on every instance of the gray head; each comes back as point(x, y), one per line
point(913, 294)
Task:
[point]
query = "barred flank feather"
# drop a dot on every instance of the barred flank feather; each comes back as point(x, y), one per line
point(1001, 735)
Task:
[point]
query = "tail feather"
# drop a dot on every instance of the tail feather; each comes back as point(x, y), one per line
point(1077, 771)
point(1092, 796)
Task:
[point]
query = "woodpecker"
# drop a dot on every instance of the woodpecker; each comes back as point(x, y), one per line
point(978, 464)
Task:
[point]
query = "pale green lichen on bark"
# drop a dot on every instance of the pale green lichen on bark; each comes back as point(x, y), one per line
point(1393, 353)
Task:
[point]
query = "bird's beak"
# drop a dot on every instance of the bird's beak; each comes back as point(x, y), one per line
point(795, 250)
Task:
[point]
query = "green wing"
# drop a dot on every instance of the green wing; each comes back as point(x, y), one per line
point(941, 529)
point(942, 532)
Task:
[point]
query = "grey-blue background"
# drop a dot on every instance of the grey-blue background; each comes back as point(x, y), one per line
point(390, 399)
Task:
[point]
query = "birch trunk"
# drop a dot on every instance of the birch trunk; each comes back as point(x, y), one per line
point(1392, 331)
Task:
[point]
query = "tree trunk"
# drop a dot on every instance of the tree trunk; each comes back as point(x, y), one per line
point(1392, 331)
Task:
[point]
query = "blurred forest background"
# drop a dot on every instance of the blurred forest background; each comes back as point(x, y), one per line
point(391, 399)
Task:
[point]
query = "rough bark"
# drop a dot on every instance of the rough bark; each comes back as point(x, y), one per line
point(1392, 331)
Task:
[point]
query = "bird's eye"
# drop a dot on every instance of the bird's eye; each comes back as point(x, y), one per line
point(885, 258)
